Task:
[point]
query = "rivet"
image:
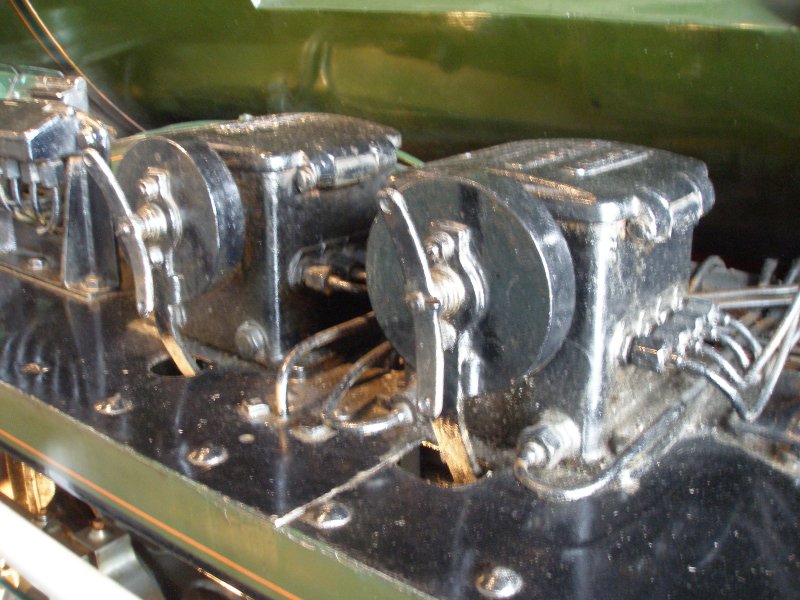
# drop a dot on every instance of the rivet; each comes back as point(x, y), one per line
point(147, 188)
point(305, 179)
point(312, 434)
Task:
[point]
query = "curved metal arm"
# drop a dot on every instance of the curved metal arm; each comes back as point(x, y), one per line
point(420, 299)
point(128, 229)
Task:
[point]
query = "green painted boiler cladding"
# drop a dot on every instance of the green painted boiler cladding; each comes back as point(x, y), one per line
point(716, 79)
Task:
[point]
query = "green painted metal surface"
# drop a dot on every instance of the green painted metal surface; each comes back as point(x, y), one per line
point(279, 563)
point(718, 80)
point(705, 12)
point(705, 77)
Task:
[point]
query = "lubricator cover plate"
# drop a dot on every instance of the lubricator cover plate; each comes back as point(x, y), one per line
point(211, 238)
point(37, 130)
point(598, 181)
point(526, 266)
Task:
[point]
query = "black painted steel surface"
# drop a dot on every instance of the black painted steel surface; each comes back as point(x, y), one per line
point(708, 520)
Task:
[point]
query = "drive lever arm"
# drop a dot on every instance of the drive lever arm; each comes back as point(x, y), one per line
point(134, 230)
point(128, 228)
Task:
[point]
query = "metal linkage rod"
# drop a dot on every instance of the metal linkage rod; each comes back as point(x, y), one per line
point(751, 297)
point(706, 351)
point(330, 410)
point(316, 341)
point(726, 387)
point(734, 346)
point(745, 332)
point(766, 291)
point(786, 325)
point(401, 414)
point(789, 342)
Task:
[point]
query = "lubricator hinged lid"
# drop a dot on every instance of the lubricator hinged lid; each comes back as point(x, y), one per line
point(335, 150)
point(596, 181)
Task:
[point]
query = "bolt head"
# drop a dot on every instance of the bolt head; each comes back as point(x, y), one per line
point(91, 284)
point(425, 405)
point(642, 230)
point(440, 247)
point(147, 188)
point(305, 179)
point(496, 581)
point(316, 277)
point(125, 228)
point(87, 136)
point(434, 252)
point(554, 438)
point(312, 434)
point(250, 339)
point(534, 453)
point(330, 515)
point(97, 536)
point(207, 456)
point(34, 368)
point(383, 203)
point(37, 263)
point(255, 409)
point(113, 405)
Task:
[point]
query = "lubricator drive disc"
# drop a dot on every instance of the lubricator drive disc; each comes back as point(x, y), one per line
point(526, 266)
point(202, 188)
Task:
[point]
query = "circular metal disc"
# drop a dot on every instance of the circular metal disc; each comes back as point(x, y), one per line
point(211, 213)
point(525, 261)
